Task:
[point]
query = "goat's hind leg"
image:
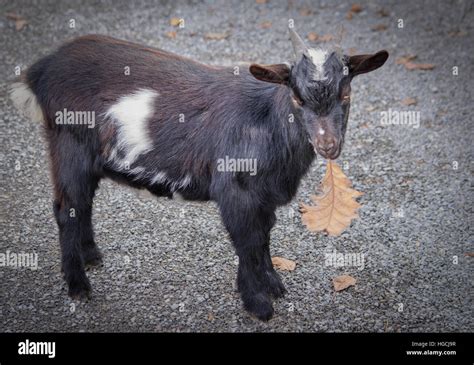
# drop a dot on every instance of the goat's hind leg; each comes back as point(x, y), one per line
point(90, 252)
point(75, 184)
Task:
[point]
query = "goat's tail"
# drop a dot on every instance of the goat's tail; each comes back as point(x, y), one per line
point(26, 101)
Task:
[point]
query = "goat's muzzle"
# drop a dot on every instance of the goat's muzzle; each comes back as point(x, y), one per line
point(328, 147)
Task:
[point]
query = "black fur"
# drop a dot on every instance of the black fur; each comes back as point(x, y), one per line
point(224, 115)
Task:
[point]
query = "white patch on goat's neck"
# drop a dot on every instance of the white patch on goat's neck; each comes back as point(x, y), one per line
point(131, 114)
point(318, 57)
point(321, 131)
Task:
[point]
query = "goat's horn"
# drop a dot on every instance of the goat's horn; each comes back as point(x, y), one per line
point(298, 44)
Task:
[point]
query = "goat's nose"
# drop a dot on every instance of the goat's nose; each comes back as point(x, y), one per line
point(326, 146)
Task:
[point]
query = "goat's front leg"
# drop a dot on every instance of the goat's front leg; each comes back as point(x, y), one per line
point(249, 226)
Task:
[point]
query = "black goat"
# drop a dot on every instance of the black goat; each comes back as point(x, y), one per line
point(173, 125)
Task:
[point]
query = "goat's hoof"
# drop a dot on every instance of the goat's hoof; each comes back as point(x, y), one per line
point(80, 290)
point(93, 262)
point(92, 258)
point(260, 306)
point(275, 286)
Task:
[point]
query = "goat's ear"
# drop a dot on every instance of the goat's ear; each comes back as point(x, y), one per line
point(361, 64)
point(278, 74)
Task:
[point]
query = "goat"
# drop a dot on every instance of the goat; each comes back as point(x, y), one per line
point(167, 123)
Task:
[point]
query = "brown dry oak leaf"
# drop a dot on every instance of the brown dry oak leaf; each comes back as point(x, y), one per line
point(457, 33)
point(306, 12)
point(175, 22)
point(409, 101)
point(283, 264)
point(13, 16)
point(216, 36)
point(356, 8)
point(404, 59)
point(20, 24)
point(20, 21)
point(315, 37)
point(343, 282)
point(419, 66)
point(379, 27)
point(409, 65)
point(382, 13)
point(312, 36)
point(325, 38)
point(335, 207)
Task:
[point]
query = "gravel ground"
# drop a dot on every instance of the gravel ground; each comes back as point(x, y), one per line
point(169, 266)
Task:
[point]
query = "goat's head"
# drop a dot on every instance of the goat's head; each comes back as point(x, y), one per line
point(320, 84)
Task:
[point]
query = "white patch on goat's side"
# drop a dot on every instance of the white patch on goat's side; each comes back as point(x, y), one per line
point(137, 172)
point(131, 114)
point(321, 131)
point(113, 154)
point(318, 57)
point(159, 178)
point(181, 184)
point(25, 101)
point(162, 178)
